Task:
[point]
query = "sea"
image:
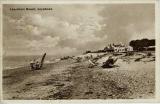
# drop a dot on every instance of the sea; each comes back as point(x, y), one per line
point(12, 62)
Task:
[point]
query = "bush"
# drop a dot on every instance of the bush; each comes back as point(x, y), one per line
point(129, 54)
point(149, 54)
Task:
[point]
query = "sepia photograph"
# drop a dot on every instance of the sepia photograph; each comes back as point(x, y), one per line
point(78, 51)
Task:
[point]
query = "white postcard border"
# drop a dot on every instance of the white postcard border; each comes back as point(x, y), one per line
point(157, 35)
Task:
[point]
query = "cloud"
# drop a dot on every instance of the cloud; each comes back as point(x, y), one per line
point(139, 33)
point(46, 42)
point(70, 29)
point(65, 30)
point(46, 32)
point(59, 51)
point(126, 21)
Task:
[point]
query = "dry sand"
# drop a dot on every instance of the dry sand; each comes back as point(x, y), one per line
point(66, 79)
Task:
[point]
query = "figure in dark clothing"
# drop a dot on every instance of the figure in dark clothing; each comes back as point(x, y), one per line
point(32, 64)
point(37, 65)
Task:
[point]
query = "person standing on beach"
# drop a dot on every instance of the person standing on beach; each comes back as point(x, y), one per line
point(32, 64)
point(37, 65)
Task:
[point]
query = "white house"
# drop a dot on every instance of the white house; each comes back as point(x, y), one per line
point(129, 48)
point(118, 48)
point(123, 49)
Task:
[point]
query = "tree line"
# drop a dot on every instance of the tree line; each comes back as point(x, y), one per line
point(139, 45)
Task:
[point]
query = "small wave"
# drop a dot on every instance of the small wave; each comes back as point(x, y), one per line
point(15, 67)
point(49, 62)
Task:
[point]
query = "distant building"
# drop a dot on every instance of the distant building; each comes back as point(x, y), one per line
point(129, 48)
point(118, 48)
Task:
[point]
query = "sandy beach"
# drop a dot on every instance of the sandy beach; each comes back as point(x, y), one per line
point(133, 77)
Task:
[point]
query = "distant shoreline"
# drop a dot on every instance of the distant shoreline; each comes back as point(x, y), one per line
point(14, 62)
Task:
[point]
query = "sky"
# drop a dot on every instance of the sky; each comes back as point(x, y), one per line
point(71, 29)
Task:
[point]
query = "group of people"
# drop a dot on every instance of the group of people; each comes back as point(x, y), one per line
point(35, 65)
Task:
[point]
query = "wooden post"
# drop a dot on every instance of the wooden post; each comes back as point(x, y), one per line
point(42, 60)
